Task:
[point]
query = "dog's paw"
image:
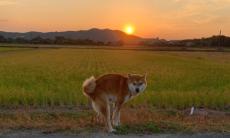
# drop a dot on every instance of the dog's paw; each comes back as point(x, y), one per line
point(112, 130)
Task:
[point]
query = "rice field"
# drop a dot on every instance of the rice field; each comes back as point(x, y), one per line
point(53, 77)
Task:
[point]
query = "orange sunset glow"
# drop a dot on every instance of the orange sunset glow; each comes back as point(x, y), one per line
point(169, 19)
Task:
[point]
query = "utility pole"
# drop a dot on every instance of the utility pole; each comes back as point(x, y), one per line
point(219, 47)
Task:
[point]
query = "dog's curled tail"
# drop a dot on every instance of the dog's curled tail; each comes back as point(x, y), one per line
point(89, 85)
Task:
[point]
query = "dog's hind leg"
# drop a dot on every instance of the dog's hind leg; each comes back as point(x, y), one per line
point(103, 107)
point(98, 112)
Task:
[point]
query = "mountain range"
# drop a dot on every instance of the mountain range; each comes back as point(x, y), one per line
point(98, 35)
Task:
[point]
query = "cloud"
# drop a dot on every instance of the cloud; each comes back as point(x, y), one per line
point(200, 11)
point(7, 2)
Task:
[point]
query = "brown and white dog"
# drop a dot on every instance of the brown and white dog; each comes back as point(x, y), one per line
point(113, 89)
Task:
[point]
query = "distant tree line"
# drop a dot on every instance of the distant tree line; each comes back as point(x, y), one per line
point(214, 41)
point(60, 40)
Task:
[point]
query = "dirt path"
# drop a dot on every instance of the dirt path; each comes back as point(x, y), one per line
point(38, 134)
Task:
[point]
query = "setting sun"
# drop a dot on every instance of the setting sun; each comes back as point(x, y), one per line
point(129, 29)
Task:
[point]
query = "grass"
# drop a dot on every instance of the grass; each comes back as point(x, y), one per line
point(152, 128)
point(53, 77)
point(144, 128)
point(4, 49)
point(133, 121)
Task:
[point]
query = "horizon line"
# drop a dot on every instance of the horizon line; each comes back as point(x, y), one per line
point(110, 30)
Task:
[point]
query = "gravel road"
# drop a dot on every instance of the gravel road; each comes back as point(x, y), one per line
point(38, 134)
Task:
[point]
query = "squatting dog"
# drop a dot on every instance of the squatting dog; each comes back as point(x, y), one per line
point(112, 89)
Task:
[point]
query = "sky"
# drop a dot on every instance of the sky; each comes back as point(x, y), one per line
point(169, 19)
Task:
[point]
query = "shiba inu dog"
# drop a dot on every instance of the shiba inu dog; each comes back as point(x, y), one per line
point(113, 89)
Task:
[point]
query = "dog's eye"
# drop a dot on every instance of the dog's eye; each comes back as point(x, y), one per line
point(140, 83)
point(134, 83)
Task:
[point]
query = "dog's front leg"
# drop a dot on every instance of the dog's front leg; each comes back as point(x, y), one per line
point(116, 114)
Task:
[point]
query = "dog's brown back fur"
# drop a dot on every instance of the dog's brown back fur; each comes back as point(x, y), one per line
point(111, 84)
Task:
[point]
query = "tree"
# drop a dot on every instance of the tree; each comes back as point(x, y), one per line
point(60, 40)
point(2, 39)
point(21, 40)
point(37, 40)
